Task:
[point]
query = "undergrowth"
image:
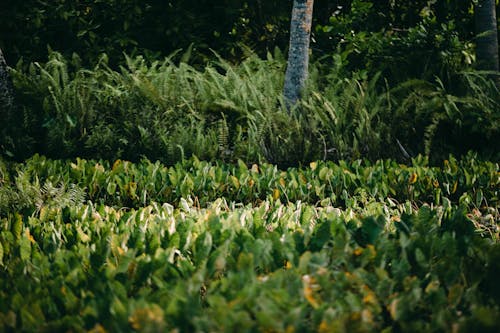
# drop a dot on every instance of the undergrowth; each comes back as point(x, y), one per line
point(169, 110)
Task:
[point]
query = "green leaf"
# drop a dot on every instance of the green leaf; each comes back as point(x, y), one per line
point(118, 309)
point(111, 188)
point(203, 246)
point(320, 236)
point(8, 320)
point(324, 172)
point(479, 198)
point(1, 254)
point(17, 227)
point(25, 247)
point(307, 216)
point(31, 317)
point(369, 230)
point(186, 186)
point(242, 166)
point(246, 263)
point(420, 258)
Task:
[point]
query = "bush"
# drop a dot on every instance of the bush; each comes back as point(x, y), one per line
point(169, 110)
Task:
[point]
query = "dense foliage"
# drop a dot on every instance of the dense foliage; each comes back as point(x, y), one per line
point(403, 38)
point(152, 178)
point(467, 182)
point(167, 110)
point(391, 79)
point(358, 260)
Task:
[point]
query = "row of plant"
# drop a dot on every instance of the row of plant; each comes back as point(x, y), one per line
point(227, 267)
point(43, 182)
point(170, 110)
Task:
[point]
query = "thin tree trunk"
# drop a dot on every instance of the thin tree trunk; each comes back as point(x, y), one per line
point(298, 54)
point(7, 107)
point(487, 36)
point(6, 91)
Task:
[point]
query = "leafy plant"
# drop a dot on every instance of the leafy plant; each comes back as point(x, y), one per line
point(271, 266)
point(168, 110)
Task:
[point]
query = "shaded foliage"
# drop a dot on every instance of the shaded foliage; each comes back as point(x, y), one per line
point(405, 39)
point(170, 110)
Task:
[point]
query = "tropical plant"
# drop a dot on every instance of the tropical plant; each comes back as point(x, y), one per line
point(229, 267)
point(170, 110)
point(298, 52)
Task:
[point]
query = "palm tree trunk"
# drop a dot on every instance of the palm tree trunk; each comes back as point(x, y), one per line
point(298, 53)
point(487, 36)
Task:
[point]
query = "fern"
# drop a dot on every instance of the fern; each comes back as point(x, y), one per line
point(230, 111)
point(223, 137)
point(28, 195)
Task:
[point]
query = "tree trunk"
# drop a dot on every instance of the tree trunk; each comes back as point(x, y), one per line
point(7, 107)
point(487, 36)
point(298, 53)
point(6, 91)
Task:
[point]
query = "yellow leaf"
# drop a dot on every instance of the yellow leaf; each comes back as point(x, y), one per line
point(149, 319)
point(309, 285)
point(302, 178)
point(29, 236)
point(99, 167)
point(413, 178)
point(373, 252)
point(282, 182)
point(393, 309)
point(432, 287)
point(98, 329)
point(396, 218)
point(131, 189)
point(370, 298)
point(355, 316)
point(324, 327)
point(367, 316)
point(84, 238)
point(235, 181)
point(313, 165)
point(276, 194)
point(308, 294)
point(115, 165)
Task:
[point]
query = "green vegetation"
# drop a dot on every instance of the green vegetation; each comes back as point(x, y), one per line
point(404, 39)
point(169, 110)
point(468, 183)
point(153, 179)
point(388, 80)
point(86, 245)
